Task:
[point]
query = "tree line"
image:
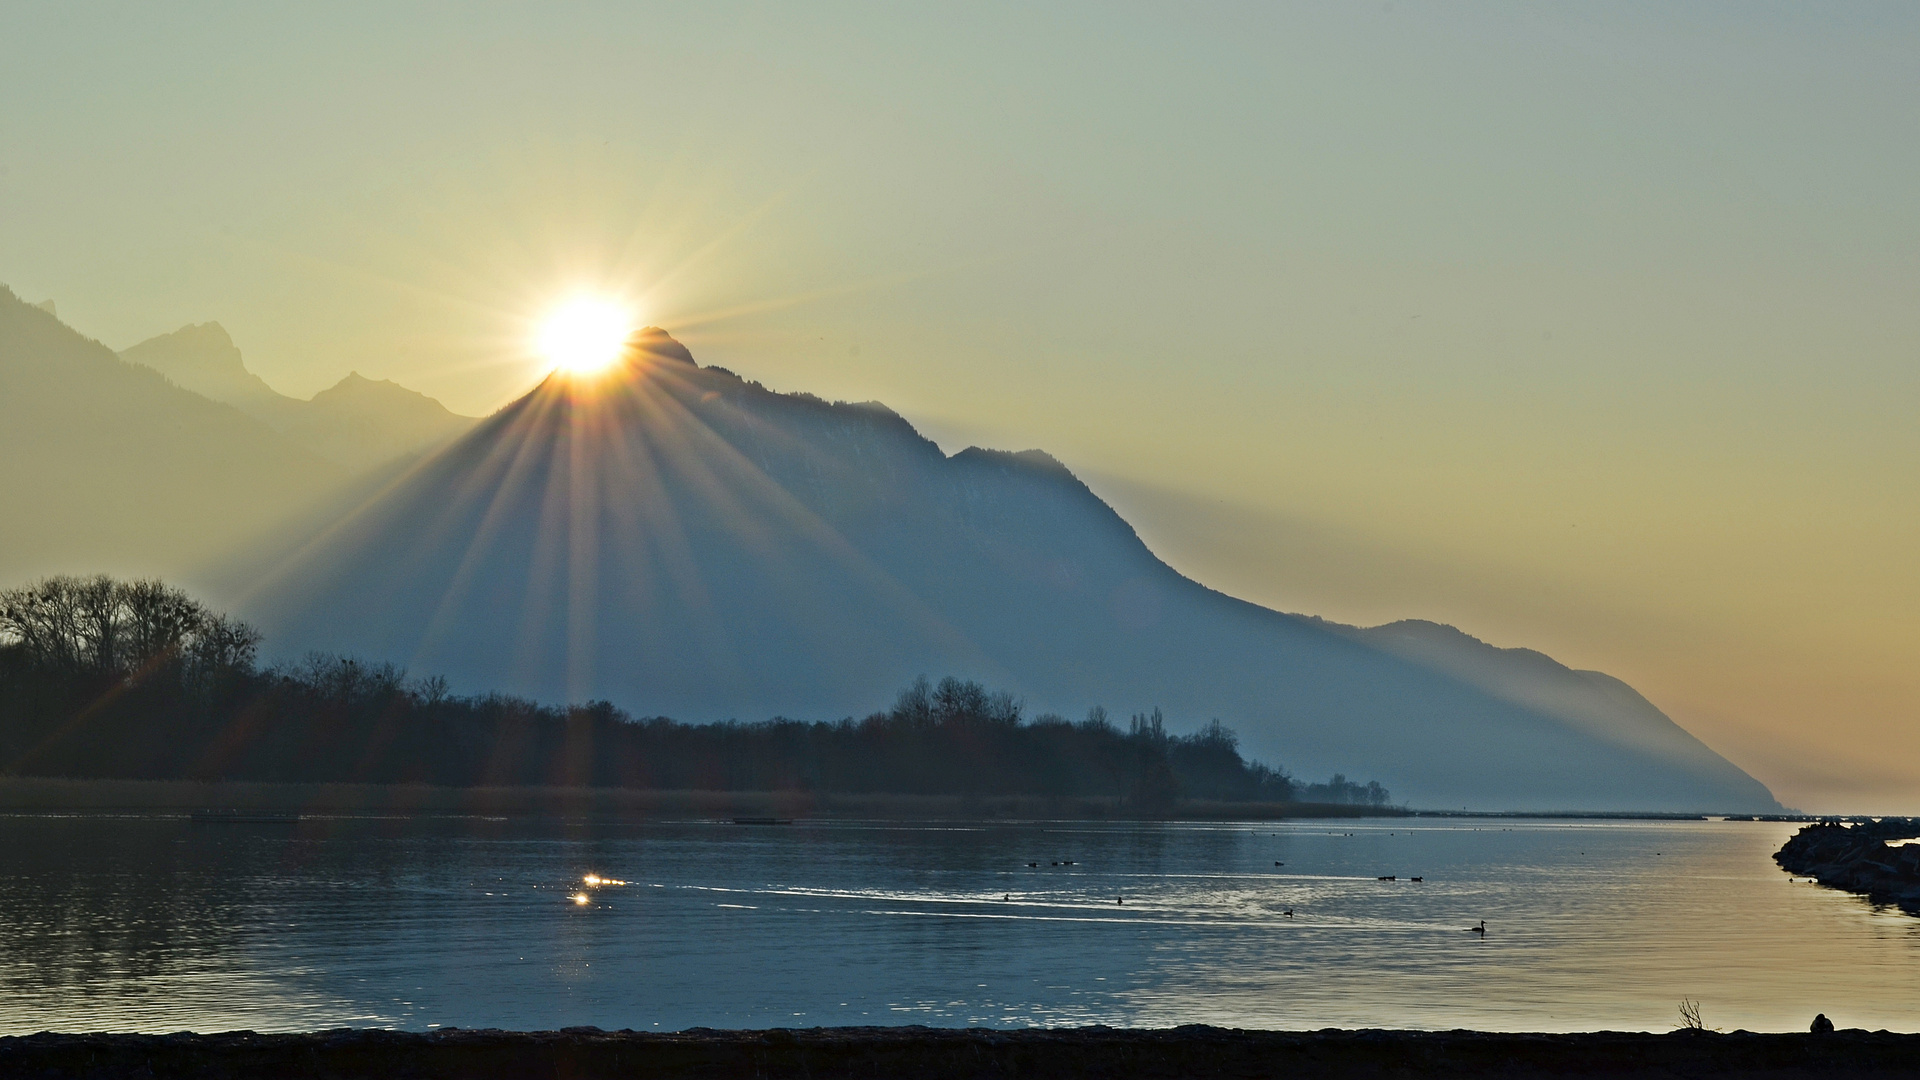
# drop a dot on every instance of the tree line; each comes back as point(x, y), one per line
point(110, 679)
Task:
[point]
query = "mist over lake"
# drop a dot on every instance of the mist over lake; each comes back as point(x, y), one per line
point(156, 923)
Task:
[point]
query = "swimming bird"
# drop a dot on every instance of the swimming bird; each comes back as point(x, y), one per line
point(1417, 879)
point(1033, 864)
point(1119, 899)
point(1288, 913)
point(1481, 929)
point(1277, 862)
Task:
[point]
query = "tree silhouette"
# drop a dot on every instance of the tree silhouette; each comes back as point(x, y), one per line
point(106, 678)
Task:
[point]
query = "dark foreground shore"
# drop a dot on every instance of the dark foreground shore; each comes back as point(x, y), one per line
point(937, 1054)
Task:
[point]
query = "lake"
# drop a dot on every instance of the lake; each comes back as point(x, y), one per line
point(157, 923)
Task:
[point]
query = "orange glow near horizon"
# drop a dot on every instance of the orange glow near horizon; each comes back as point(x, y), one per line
point(585, 335)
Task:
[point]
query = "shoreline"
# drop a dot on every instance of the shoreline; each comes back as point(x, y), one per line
point(936, 1054)
point(31, 794)
point(58, 795)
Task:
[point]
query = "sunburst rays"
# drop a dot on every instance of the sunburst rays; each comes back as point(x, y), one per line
point(595, 530)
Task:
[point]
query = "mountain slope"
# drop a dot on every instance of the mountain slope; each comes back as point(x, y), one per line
point(358, 422)
point(105, 466)
point(687, 543)
point(1591, 702)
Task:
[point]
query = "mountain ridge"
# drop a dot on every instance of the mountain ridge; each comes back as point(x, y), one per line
point(689, 543)
point(106, 465)
point(357, 422)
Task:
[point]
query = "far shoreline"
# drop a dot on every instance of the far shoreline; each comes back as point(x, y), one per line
point(32, 794)
point(20, 794)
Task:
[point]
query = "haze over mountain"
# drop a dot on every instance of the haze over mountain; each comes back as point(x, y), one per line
point(685, 542)
point(104, 465)
point(358, 422)
point(1591, 702)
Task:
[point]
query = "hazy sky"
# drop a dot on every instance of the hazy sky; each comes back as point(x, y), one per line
point(1591, 328)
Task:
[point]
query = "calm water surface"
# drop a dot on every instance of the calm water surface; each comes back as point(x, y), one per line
point(158, 924)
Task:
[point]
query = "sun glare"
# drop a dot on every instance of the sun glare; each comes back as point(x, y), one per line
point(584, 336)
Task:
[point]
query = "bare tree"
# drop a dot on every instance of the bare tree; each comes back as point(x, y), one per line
point(160, 622)
point(43, 622)
point(96, 604)
point(221, 644)
point(120, 629)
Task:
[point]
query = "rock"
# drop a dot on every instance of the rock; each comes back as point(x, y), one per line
point(1821, 1025)
point(1858, 858)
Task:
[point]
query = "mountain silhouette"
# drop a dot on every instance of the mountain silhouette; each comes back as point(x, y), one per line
point(105, 466)
point(684, 542)
point(1591, 702)
point(358, 423)
point(201, 357)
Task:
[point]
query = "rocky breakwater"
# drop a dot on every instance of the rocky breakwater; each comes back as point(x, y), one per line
point(1866, 858)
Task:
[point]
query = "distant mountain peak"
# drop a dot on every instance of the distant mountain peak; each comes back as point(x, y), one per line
point(210, 339)
point(651, 342)
point(204, 345)
point(130, 472)
point(648, 351)
point(202, 357)
point(356, 385)
point(211, 330)
point(357, 422)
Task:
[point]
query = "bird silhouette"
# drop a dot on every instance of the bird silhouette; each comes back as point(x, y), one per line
point(1481, 929)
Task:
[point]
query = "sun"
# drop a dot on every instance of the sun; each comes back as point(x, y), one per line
point(585, 335)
